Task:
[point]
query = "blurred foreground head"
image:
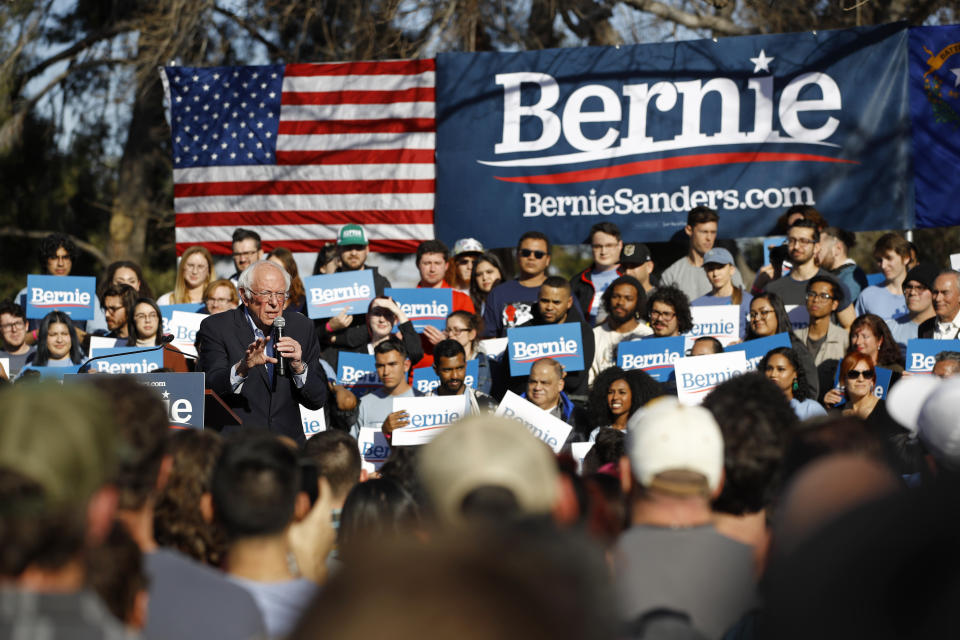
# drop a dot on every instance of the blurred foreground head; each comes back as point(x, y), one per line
point(530, 582)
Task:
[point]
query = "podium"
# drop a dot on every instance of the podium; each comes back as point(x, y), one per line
point(217, 414)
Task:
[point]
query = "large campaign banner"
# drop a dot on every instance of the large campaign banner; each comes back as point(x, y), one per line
point(557, 140)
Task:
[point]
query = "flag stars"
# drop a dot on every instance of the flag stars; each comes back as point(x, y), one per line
point(259, 125)
point(179, 98)
point(195, 78)
point(213, 156)
point(206, 87)
point(233, 155)
point(216, 76)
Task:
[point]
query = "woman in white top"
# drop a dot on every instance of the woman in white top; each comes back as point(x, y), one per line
point(193, 275)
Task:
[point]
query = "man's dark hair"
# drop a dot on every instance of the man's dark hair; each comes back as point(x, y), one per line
point(557, 282)
point(432, 246)
point(803, 223)
point(834, 285)
point(50, 244)
point(755, 420)
point(609, 446)
point(715, 344)
point(448, 348)
point(255, 485)
point(629, 280)
point(608, 228)
point(142, 426)
point(533, 235)
point(240, 234)
point(391, 344)
point(943, 356)
point(338, 459)
point(678, 300)
point(699, 215)
point(13, 309)
point(848, 239)
point(127, 294)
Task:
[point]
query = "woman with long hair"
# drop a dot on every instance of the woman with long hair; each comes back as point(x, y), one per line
point(146, 330)
point(193, 275)
point(769, 317)
point(487, 273)
point(57, 342)
point(297, 298)
point(871, 336)
point(126, 272)
point(782, 366)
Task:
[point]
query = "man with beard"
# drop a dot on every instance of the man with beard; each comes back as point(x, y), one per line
point(623, 301)
point(668, 312)
point(555, 306)
point(450, 364)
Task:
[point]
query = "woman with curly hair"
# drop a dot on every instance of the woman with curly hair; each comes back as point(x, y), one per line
point(615, 395)
point(871, 336)
point(782, 366)
point(177, 521)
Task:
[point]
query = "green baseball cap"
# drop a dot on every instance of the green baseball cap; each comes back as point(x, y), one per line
point(352, 234)
point(60, 436)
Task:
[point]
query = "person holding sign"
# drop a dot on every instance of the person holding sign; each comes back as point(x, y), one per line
point(376, 408)
point(239, 352)
point(858, 377)
point(623, 301)
point(668, 312)
point(545, 390)
point(57, 343)
point(450, 364)
point(782, 366)
point(384, 318)
point(432, 258)
point(462, 327)
point(719, 267)
point(768, 317)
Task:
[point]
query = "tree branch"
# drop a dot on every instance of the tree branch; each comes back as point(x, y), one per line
point(71, 51)
point(83, 245)
point(717, 24)
point(250, 28)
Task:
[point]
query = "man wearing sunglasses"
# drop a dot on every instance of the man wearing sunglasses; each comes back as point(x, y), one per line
point(510, 303)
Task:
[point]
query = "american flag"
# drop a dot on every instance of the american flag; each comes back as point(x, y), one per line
point(295, 151)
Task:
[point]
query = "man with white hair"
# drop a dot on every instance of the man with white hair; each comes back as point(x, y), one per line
point(240, 352)
point(672, 558)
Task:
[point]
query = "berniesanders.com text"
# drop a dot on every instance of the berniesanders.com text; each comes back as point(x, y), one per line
point(626, 201)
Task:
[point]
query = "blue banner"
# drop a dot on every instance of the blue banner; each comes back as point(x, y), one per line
point(756, 349)
point(74, 295)
point(935, 111)
point(166, 312)
point(329, 294)
point(146, 362)
point(653, 355)
point(424, 306)
point(557, 140)
point(560, 342)
point(921, 353)
point(425, 378)
point(358, 372)
point(56, 373)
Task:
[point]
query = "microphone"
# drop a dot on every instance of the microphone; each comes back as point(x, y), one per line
point(164, 341)
point(280, 323)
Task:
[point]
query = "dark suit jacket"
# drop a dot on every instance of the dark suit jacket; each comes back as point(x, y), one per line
point(222, 341)
point(927, 327)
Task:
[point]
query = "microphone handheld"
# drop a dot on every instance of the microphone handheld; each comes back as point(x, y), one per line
point(279, 324)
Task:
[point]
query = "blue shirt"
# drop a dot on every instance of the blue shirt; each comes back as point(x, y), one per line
point(878, 301)
point(807, 408)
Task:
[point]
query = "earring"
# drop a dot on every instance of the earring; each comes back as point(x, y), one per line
point(795, 385)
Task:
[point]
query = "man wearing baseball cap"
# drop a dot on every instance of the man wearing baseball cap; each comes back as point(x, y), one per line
point(344, 331)
point(466, 251)
point(672, 557)
point(637, 261)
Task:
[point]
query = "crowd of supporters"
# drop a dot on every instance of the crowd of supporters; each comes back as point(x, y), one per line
point(802, 499)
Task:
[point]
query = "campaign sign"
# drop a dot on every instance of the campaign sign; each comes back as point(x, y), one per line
point(424, 306)
point(880, 388)
point(553, 431)
point(101, 342)
point(143, 360)
point(653, 355)
point(313, 421)
point(374, 448)
point(56, 373)
point(425, 378)
point(182, 395)
point(428, 416)
point(720, 321)
point(184, 327)
point(348, 291)
point(921, 353)
point(358, 372)
point(560, 342)
point(74, 295)
point(166, 312)
point(798, 314)
point(698, 376)
point(759, 347)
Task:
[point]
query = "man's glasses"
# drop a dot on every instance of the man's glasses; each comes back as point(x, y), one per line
point(914, 288)
point(270, 296)
point(813, 295)
point(800, 241)
point(526, 253)
point(244, 254)
point(856, 374)
point(113, 309)
point(13, 326)
point(666, 315)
